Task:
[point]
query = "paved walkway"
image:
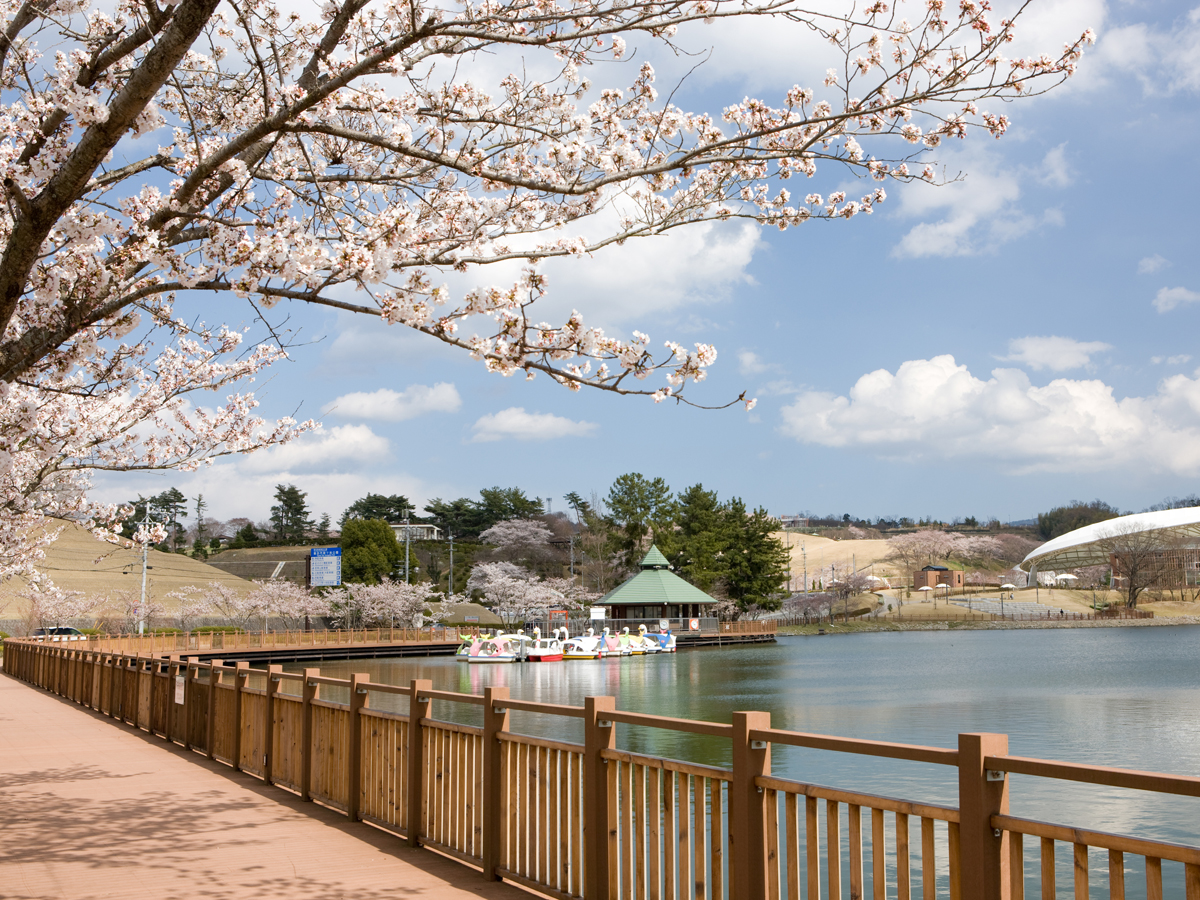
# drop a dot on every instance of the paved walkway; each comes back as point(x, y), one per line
point(90, 809)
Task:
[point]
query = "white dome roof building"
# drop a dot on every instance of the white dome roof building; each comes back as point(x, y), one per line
point(1146, 549)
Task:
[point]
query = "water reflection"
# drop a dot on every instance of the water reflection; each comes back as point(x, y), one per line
point(1120, 696)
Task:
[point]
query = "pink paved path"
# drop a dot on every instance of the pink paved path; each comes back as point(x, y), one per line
point(92, 809)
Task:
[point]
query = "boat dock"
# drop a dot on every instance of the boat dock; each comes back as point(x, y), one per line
point(306, 646)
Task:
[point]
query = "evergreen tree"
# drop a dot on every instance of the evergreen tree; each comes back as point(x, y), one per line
point(169, 507)
point(370, 551)
point(582, 507)
point(290, 516)
point(392, 510)
point(755, 562)
point(462, 517)
point(498, 504)
point(201, 530)
point(703, 538)
point(640, 506)
point(323, 535)
point(466, 518)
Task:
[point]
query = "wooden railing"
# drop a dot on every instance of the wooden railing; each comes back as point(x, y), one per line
point(596, 821)
point(200, 640)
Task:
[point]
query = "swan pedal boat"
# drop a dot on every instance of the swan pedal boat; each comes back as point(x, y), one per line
point(503, 648)
point(545, 649)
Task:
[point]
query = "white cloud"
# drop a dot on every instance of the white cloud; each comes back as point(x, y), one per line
point(1171, 360)
point(1163, 61)
point(517, 424)
point(1168, 298)
point(679, 270)
point(935, 408)
point(982, 210)
point(1149, 264)
point(1055, 170)
point(386, 405)
point(322, 451)
point(750, 363)
point(1058, 354)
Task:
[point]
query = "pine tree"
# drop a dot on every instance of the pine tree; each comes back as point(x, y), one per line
point(755, 561)
point(393, 509)
point(641, 506)
point(323, 535)
point(201, 508)
point(289, 517)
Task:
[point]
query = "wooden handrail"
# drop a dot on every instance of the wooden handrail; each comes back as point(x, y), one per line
point(549, 709)
point(690, 726)
point(1187, 785)
point(912, 752)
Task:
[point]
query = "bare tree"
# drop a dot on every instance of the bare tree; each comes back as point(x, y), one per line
point(1135, 555)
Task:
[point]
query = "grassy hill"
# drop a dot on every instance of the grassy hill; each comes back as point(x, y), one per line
point(78, 561)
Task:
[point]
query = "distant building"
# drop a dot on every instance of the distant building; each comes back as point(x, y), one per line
point(418, 531)
point(937, 576)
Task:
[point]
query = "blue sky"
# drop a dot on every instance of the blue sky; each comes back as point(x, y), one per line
point(991, 348)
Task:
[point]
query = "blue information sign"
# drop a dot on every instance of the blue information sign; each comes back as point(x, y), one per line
point(325, 566)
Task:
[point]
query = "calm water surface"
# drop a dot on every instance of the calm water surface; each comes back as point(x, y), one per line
point(1115, 696)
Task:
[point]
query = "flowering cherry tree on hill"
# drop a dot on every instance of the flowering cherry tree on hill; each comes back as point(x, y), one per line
point(154, 155)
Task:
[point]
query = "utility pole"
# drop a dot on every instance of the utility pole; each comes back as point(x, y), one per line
point(450, 586)
point(804, 555)
point(145, 548)
point(406, 546)
point(572, 554)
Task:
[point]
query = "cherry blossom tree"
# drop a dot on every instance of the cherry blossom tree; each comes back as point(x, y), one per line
point(404, 605)
point(48, 606)
point(124, 611)
point(287, 601)
point(240, 609)
point(155, 155)
point(482, 574)
point(389, 603)
point(191, 605)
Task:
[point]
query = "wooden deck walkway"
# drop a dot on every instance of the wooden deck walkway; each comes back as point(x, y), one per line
point(97, 810)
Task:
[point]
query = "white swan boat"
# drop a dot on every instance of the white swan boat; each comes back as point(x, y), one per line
point(585, 646)
point(545, 649)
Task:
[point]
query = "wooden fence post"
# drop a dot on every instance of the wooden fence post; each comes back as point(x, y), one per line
point(983, 854)
point(599, 734)
point(189, 700)
point(495, 721)
point(311, 692)
point(137, 690)
point(113, 685)
point(748, 808)
point(210, 736)
point(274, 681)
point(358, 701)
point(418, 709)
point(164, 671)
point(240, 675)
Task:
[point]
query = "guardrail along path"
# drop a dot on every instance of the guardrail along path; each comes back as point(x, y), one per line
point(597, 821)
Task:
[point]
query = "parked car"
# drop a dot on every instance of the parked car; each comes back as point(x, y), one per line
point(61, 633)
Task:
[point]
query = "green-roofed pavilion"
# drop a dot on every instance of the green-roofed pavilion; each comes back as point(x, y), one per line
point(655, 592)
